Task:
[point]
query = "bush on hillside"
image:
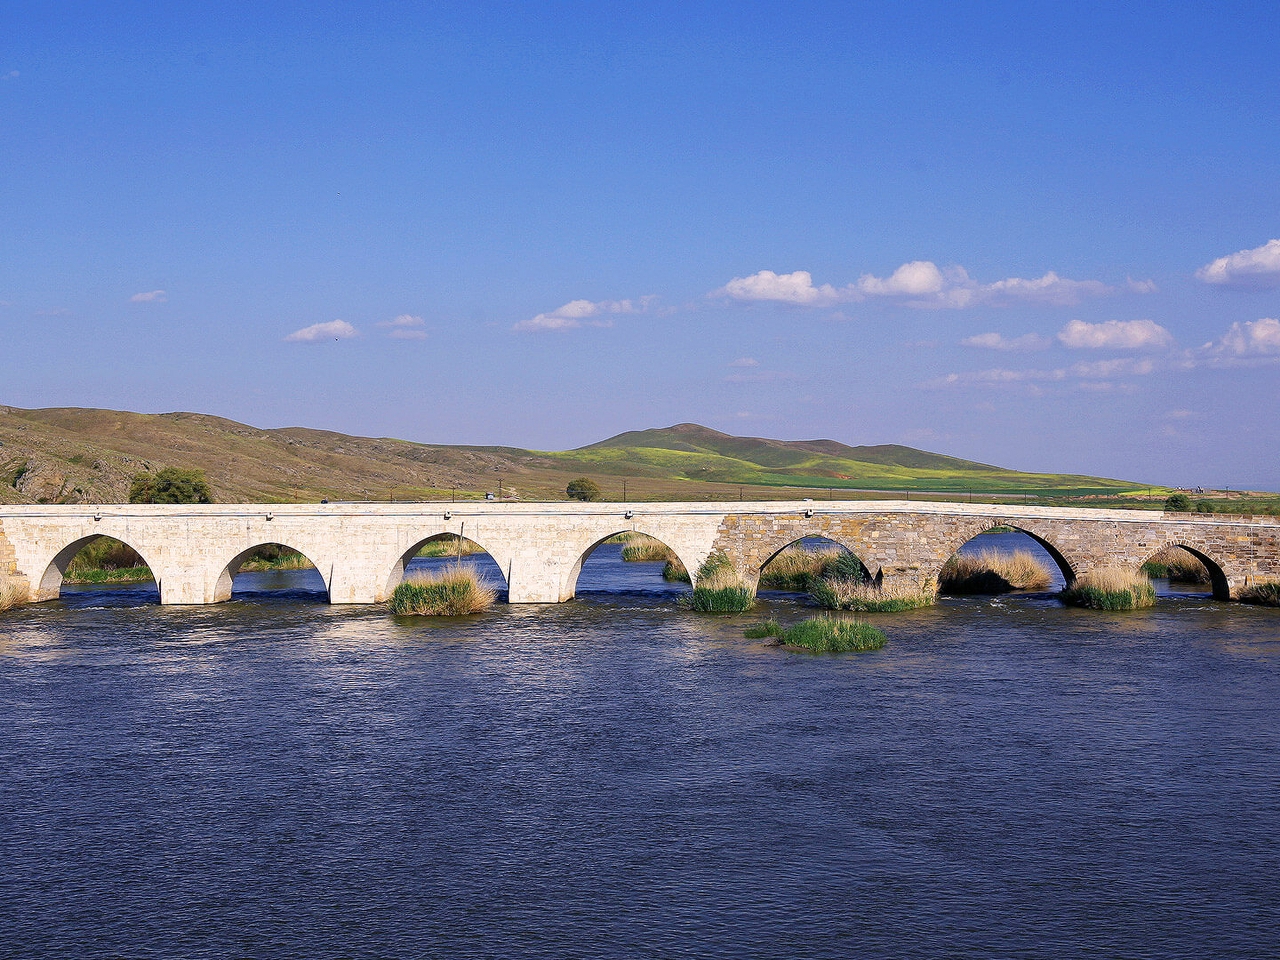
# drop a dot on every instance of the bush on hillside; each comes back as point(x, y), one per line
point(583, 489)
point(1177, 503)
point(170, 485)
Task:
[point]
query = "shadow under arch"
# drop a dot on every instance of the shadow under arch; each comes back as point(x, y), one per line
point(764, 581)
point(222, 591)
point(1064, 565)
point(1217, 578)
point(51, 580)
point(571, 582)
point(398, 569)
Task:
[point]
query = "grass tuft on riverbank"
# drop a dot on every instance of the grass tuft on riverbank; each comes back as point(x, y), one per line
point(452, 592)
point(822, 635)
point(867, 597)
point(796, 568)
point(449, 546)
point(1265, 593)
point(1110, 588)
point(1177, 566)
point(107, 560)
point(14, 592)
point(990, 571)
point(645, 549)
point(719, 588)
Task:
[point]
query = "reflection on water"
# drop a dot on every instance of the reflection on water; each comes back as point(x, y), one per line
point(614, 776)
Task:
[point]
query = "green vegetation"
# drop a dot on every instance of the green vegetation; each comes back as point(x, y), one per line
point(107, 560)
point(641, 548)
point(1110, 588)
point(796, 568)
point(1177, 503)
point(674, 571)
point(450, 545)
point(452, 592)
point(1264, 593)
point(867, 597)
point(1177, 566)
point(170, 485)
point(990, 571)
point(275, 556)
point(719, 588)
point(822, 635)
point(582, 489)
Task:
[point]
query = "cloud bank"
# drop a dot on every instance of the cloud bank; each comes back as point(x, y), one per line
point(337, 329)
point(1115, 335)
point(1254, 339)
point(152, 296)
point(997, 341)
point(920, 283)
point(1258, 268)
point(405, 327)
point(581, 313)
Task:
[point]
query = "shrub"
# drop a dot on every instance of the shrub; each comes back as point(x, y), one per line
point(993, 572)
point(1204, 506)
point(1265, 593)
point(643, 548)
point(719, 589)
point(1110, 588)
point(107, 560)
point(1176, 565)
point(582, 489)
point(1177, 503)
point(822, 635)
point(170, 485)
point(674, 571)
point(451, 592)
point(847, 594)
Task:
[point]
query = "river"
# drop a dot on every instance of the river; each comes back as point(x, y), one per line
point(615, 777)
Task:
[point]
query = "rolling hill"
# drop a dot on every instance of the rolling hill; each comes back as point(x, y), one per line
point(71, 455)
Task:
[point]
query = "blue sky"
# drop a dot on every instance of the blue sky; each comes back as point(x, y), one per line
point(1040, 235)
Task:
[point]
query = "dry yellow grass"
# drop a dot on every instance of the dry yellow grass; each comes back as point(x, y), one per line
point(1178, 565)
point(991, 571)
point(1111, 588)
point(452, 592)
point(13, 592)
point(866, 596)
point(640, 547)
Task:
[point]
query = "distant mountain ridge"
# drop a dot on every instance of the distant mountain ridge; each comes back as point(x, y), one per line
point(85, 455)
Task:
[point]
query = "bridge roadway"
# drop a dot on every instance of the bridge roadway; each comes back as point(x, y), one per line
point(361, 549)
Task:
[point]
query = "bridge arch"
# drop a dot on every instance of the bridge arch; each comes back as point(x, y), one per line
point(226, 576)
point(50, 586)
point(763, 578)
point(1218, 580)
point(397, 572)
point(571, 579)
point(1067, 568)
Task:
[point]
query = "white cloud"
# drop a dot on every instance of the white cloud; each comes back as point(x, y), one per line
point(996, 341)
point(745, 362)
point(11, 75)
point(1250, 340)
point(1092, 372)
point(405, 327)
point(920, 283)
point(582, 313)
point(1119, 367)
point(1256, 268)
point(337, 329)
point(781, 288)
point(1115, 335)
point(151, 296)
point(1140, 286)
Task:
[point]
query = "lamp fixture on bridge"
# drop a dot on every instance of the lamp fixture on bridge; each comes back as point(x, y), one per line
point(628, 515)
point(270, 515)
point(97, 517)
point(448, 515)
point(808, 513)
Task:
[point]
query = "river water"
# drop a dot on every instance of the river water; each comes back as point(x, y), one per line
point(615, 777)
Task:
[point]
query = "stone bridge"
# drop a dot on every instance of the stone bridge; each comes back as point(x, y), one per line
point(361, 549)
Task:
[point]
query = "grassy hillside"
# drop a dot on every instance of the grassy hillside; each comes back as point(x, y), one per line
point(70, 455)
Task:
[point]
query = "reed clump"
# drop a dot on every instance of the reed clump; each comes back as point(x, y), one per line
point(14, 592)
point(1177, 566)
point(991, 571)
point(674, 571)
point(642, 548)
point(796, 568)
point(273, 556)
point(1264, 593)
point(719, 588)
point(869, 597)
point(452, 592)
point(822, 635)
point(450, 545)
point(1110, 588)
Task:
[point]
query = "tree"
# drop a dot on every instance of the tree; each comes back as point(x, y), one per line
point(1178, 503)
point(170, 485)
point(582, 489)
point(1204, 506)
